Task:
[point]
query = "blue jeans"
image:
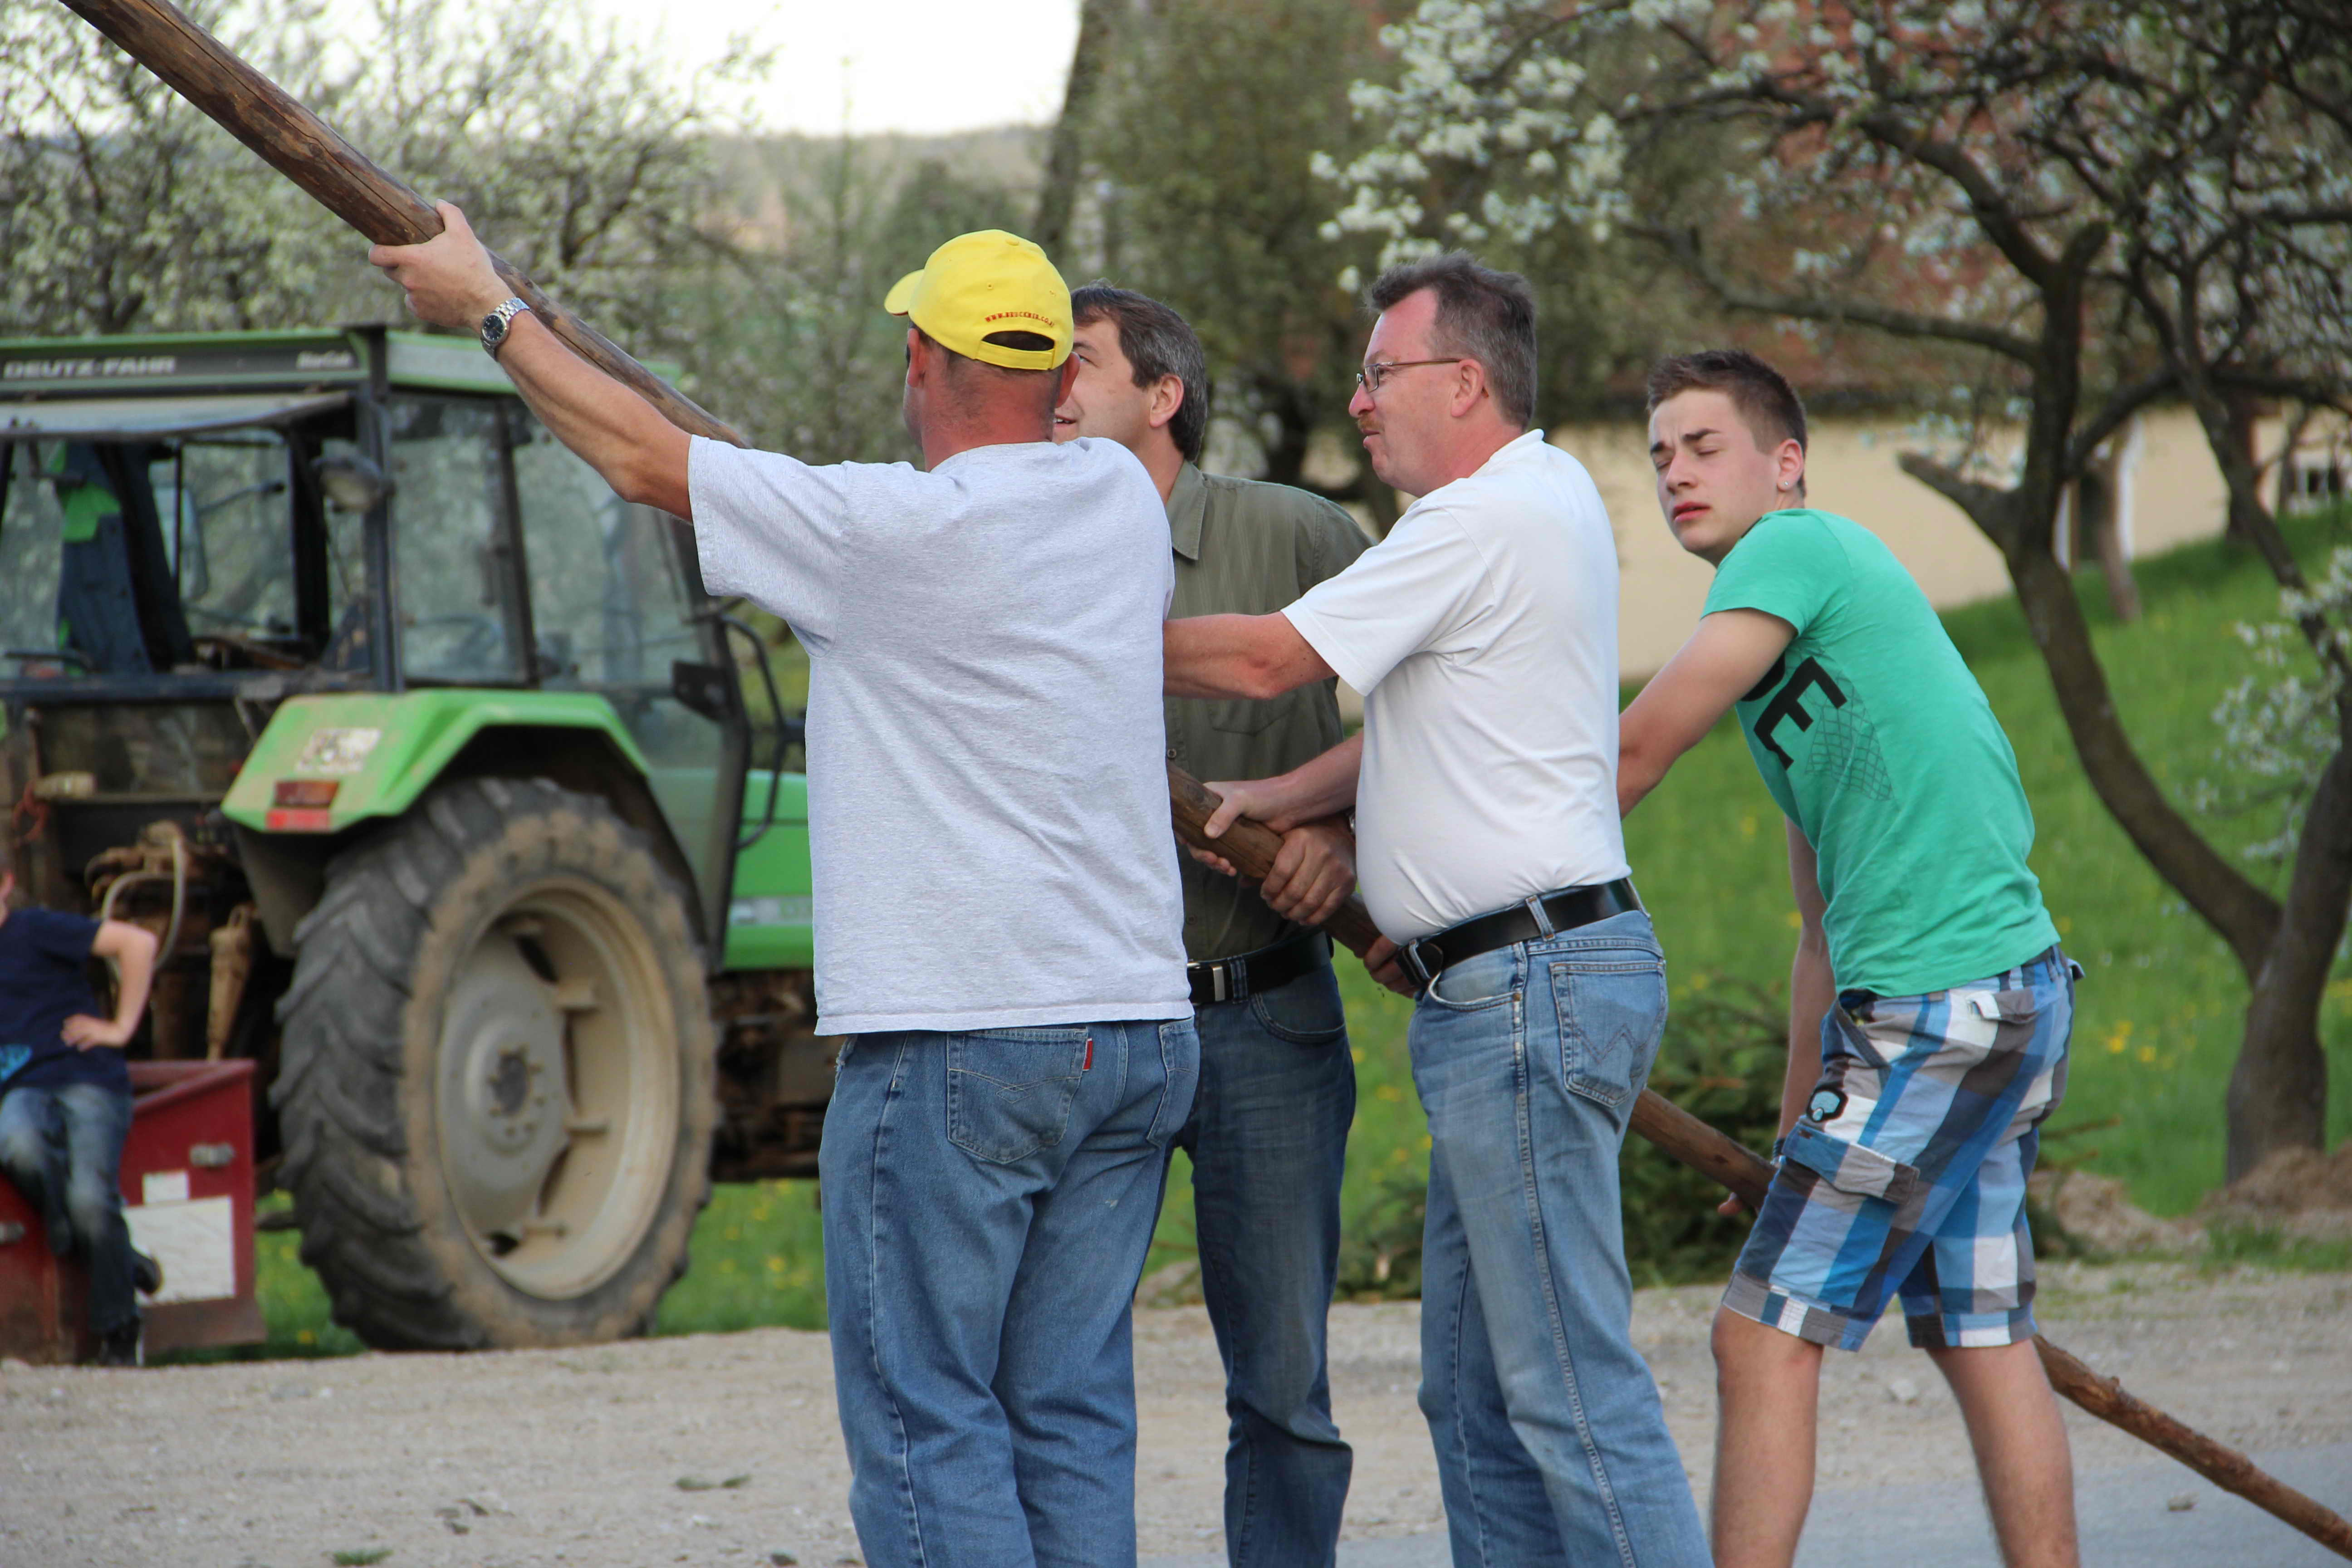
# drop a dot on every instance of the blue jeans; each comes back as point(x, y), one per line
point(63, 1148)
point(1551, 1442)
point(1268, 1138)
point(988, 1198)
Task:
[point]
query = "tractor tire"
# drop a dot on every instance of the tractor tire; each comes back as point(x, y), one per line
point(498, 1089)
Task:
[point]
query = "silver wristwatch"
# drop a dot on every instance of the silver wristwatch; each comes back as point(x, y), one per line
point(496, 325)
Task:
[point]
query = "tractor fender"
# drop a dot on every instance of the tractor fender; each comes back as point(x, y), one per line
point(382, 751)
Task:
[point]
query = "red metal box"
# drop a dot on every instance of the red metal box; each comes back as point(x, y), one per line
point(187, 1190)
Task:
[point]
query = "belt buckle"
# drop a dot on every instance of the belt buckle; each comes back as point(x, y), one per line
point(1220, 972)
point(1409, 958)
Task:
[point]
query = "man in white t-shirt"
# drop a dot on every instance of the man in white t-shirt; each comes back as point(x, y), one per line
point(998, 918)
point(1483, 633)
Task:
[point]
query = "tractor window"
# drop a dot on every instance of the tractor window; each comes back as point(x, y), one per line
point(606, 604)
point(349, 592)
point(32, 541)
point(611, 608)
point(451, 543)
point(227, 529)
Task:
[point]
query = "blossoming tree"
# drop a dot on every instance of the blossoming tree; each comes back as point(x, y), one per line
point(2106, 202)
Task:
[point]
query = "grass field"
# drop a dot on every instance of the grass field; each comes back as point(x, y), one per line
point(2154, 1041)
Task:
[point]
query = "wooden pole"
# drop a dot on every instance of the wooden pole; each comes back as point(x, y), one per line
point(1251, 846)
point(305, 149)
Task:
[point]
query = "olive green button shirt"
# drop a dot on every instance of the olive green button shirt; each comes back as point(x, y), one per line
point(1247, 548)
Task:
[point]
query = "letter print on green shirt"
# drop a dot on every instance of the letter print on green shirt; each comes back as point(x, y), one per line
point(1876, 741)
point(1843, 754)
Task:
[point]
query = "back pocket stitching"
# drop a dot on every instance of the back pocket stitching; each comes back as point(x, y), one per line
point(962, 1119)
point(1593, 1087)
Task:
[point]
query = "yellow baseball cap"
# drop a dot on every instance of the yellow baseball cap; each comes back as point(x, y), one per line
point(985, 282)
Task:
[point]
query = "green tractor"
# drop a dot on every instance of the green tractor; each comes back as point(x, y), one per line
point(430, 763)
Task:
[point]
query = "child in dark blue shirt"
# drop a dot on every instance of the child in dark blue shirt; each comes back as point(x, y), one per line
point(65, 1096)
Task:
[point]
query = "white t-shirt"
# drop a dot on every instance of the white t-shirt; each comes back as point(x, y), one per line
point(1483, 633)
point(988, 794)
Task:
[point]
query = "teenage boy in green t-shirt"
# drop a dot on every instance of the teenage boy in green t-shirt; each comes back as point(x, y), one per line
point(1927, 970)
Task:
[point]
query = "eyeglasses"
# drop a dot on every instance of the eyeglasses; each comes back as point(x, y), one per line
point(1370, 377)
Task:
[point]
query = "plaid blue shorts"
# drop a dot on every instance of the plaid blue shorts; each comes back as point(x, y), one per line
point(1907, 1172)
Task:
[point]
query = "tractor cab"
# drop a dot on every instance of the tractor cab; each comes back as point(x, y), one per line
point(198, 528)
point(426, 757)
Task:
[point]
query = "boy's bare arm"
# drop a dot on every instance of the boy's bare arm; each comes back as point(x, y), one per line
point(1812, 985)
point(1723, 660)
point(132, 949)
point(1812, 991)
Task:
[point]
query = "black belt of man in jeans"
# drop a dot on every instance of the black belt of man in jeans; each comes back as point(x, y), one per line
point(1230, 979)
point(1547, 914)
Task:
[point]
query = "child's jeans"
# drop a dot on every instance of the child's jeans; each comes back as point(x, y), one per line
point(63, 1148)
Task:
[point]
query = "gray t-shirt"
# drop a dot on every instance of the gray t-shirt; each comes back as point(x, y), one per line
point(988, 803)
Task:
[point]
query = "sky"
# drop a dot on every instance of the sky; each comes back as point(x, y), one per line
point(923, 66)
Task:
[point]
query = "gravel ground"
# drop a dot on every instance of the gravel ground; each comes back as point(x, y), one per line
point(722, 1450)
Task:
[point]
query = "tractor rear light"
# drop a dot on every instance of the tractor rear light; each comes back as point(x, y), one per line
point(299, 821)
point(315, 794)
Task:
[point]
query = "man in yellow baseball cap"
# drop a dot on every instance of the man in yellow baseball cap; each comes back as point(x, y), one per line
point(990, 296)
point(989, 326)
point(998, 924)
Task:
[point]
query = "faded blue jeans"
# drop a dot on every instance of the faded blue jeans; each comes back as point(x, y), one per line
point(1268, 1138)
point(988, 1198)
point(63, 1148)
point(1551, 1441)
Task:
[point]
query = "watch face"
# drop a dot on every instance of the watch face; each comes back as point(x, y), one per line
point(494, 327)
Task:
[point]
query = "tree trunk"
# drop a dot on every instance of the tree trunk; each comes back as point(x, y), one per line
point(2234, 444)
point(2098, 525)
point(1293, 426)
point(1057, 197)
point(2278, 1090)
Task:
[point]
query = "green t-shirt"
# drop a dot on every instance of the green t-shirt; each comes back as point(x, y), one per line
point(1878, 744)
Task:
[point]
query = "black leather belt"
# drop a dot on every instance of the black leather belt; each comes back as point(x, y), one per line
point(1425, 958)
point(1230, 979)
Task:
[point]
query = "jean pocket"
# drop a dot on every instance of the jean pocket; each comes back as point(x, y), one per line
point(1307, 1011)
point(1487, 980)
point(1612, 1016)
point(1010, 1090)
point(1852, 1168)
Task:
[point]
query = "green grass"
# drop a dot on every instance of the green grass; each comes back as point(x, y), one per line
point(2155, 1034)
point(757, 1261)
point(2236, 1246)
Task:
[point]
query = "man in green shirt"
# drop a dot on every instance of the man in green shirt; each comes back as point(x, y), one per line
point(1269, 1132)
point(1929, 1004)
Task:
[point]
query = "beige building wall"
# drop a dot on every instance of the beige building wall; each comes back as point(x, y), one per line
point(2169, 492)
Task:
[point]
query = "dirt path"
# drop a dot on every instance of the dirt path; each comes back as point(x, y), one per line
point(575, 1458)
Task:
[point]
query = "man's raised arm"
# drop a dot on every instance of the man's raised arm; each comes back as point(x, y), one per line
point(1237, 656)
point(450, 283)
